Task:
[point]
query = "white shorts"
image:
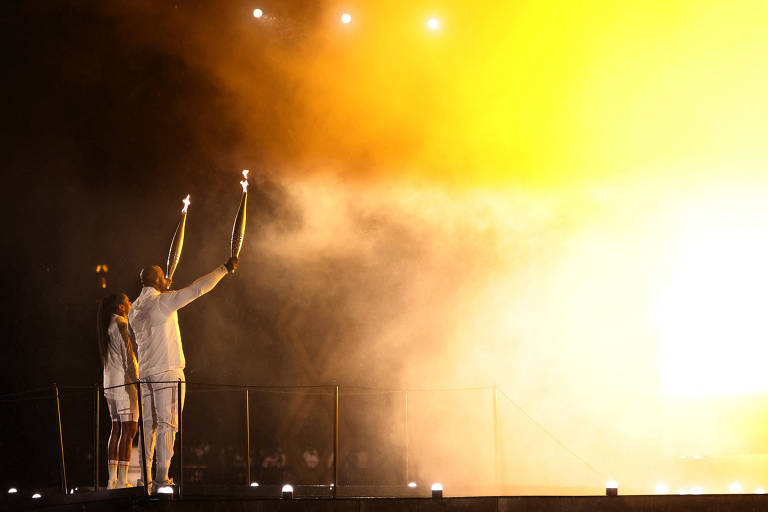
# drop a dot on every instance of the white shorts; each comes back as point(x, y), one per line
point(123, 410)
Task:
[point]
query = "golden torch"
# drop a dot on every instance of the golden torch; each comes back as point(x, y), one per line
point(174, 254)
point(238, 228)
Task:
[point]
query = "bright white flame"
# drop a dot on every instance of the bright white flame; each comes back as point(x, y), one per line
point(735, 488)
point(165, 490)
point(186, 204)
point(433, 23)
point(36, 496)
point(287, 488)
point(437, 486)
point(759, 490)
point(13, 490)
point(254, 484)
point(661, 488)
point(611, 484)
point(258, 13)
point(346, 18)
point(411, 484)
point(244, 183)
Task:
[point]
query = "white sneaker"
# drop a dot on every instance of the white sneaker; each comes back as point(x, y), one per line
point(159, 484)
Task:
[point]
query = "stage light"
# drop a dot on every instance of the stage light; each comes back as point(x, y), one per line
point(287, 492)
point(258, 13)
point(37, 496)
point(735, 488)
point(433, 23)
point(346, 18)
point(683, 491)
point(411, 484)
point(697, 490)
point(661, 488)
point(165, 490)
point(254, 484)
point(611, 488)
point(759, 490)
point(437, 491)
point(13, 490)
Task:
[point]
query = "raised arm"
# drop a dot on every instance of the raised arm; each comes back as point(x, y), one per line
point(174, 300)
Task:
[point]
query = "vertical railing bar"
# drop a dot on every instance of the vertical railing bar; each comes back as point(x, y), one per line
point(335, 444)
point(96, 437)
point(181, 442)
point(247, 437)
point(145, 476)
point(63, 465)
point(407, 479)
point(496, 454)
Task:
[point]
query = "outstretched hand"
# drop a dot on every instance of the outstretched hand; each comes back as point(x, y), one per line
point(231, 264)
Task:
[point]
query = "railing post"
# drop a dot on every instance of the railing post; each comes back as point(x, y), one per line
point(407, 479)
point(335, 443)
point(96, 437)
point(247, 437)
point(181, 442)
point(63, 466)
point(144, 476)
point(496, 453)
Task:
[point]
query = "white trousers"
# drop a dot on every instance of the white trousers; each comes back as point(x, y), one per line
point(161, 408)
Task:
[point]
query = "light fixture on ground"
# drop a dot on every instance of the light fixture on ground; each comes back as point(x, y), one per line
point(412, 484)
point(254, 484)
point(759, 490)
point(13, 490)
point(346, 18)
point(611, 488)
point(697, 490)
point(37, 496)
point(166, 489)
point(287, 492)
point(661, 488)
point(437, 491)
point(735, 488)
point(258, 13)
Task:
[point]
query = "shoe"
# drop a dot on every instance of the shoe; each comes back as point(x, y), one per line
point(123, 485)
point(111, 484)
point(160, 484)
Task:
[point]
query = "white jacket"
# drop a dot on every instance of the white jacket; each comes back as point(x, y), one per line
point(154, 320)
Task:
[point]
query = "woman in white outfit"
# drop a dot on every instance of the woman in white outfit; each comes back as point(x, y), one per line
point(119, 363)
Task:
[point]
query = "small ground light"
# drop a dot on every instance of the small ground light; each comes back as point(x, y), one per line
point(611, 488)
point(433, 23)
point(759, 490)
point(411, 484)
point(697, 490)
point(735, 488)
point(258, 13)
point(37, 496)
point(13, 490)
point(287, 492)
point(254, 484)
point(437, 491)
point(165, 490)
point(661, 488)
point(346, 18)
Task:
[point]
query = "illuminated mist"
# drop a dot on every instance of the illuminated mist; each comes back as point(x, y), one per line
point(564, 200)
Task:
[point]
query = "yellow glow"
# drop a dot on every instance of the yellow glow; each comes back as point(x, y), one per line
point(258, 13)
point(346, 18)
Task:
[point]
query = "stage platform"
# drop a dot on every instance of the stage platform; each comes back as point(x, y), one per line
point(134, 500)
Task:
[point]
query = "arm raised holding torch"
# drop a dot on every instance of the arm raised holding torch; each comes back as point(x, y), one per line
point(238, 228)
point(174, 253)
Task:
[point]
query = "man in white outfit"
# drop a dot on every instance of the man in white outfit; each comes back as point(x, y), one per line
point(155, 323)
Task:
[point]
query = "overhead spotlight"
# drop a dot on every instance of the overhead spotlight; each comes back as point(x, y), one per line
point(611, 488)
point(13, 490)
point(258, 13)
point(412, 484)
point(433, 23)
point(254, 484)
point(346, 18)
point(735, 488)
point(37, 496)
point(437, 491)
point(167, 489)
point(287, 492)
point(661, 488)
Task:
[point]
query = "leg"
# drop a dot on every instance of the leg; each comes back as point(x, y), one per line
point(168, 409)
point(127, 432)
point(149, 406)
point(112, 453)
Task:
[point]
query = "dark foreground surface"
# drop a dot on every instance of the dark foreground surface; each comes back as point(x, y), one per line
point(134, 500)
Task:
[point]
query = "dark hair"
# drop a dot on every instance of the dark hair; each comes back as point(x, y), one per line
point(107, 307)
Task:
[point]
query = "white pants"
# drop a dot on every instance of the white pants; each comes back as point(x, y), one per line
point(161, 408)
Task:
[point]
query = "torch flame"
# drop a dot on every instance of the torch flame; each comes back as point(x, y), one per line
point(244, 183)
point(186, 204)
